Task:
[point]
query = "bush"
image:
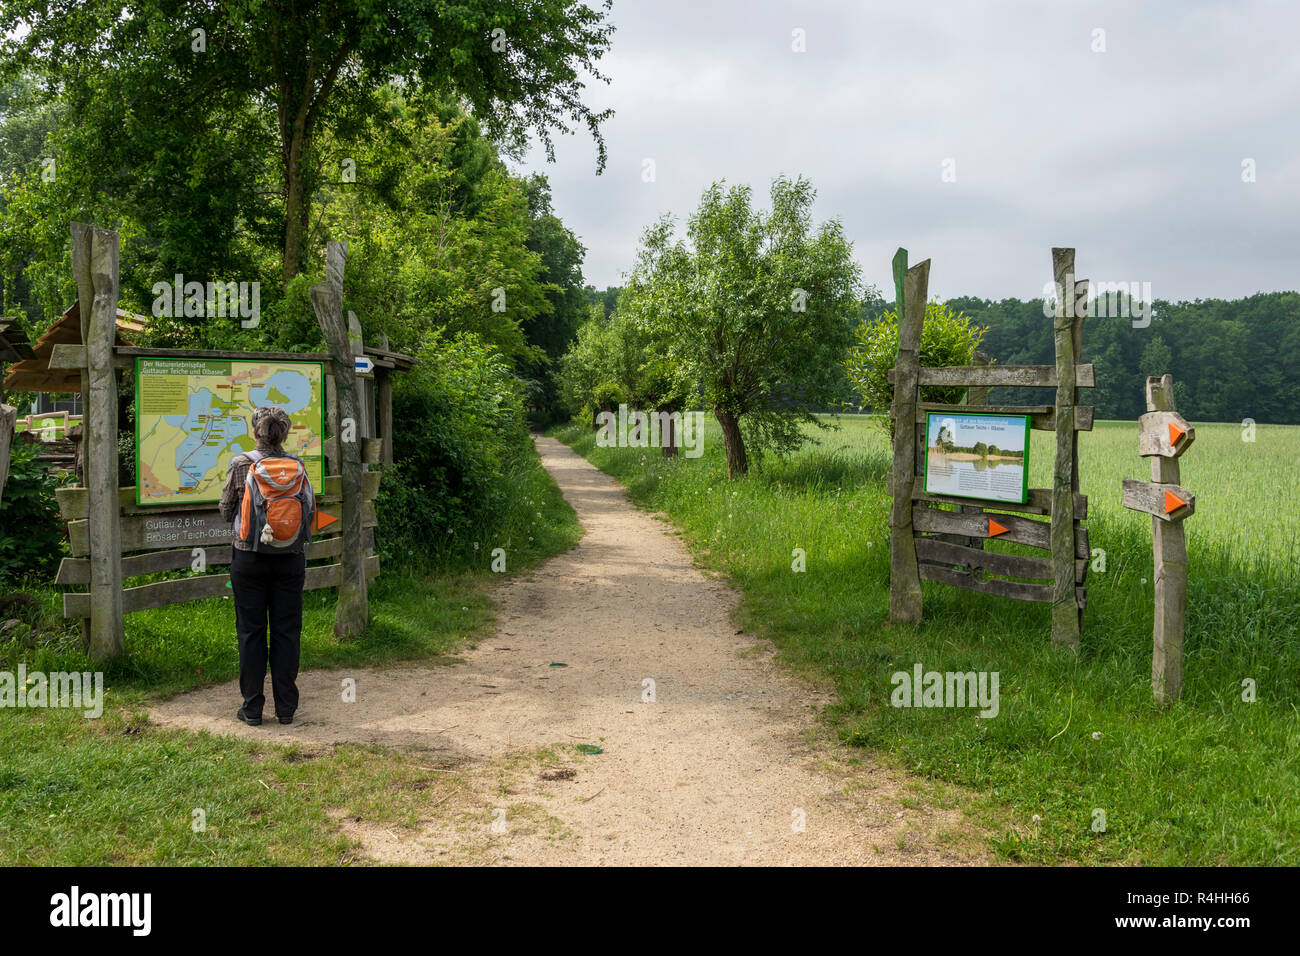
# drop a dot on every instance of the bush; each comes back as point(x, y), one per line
point(459, 427)
point(31, 532)
point(947, 338)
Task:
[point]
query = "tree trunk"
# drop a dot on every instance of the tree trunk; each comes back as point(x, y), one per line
point(733, 442)
point(296, 207)
point(668, 437)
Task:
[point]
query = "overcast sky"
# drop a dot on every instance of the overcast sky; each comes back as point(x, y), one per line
point(1132, 155)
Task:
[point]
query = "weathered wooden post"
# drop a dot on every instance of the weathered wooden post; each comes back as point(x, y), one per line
point(1163, 438)
point(911, 287)
point(95, 267)
point(353, 609)
point(8, 417)
point(1065, 608)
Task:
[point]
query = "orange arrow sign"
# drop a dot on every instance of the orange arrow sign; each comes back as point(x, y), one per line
point(996, 529)
point(322, 521)
point(1173, 502)
point(1175, 433)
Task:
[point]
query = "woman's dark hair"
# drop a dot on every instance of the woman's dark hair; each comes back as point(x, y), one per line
point(270, 425)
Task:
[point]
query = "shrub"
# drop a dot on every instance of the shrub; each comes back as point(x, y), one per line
point(947, 338)
point(458, 422)
point(31, 532)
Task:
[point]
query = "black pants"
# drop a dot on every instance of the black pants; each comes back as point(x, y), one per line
point(268, 587)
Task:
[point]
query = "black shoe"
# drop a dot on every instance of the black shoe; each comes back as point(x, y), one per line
point(286, 719)
point(248, 718)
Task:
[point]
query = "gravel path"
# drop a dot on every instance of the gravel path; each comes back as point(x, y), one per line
point(725, 765)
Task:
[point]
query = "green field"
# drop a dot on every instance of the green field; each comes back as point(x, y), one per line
point(1210, 780)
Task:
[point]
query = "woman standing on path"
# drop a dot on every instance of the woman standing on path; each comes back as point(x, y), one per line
point(270, 500)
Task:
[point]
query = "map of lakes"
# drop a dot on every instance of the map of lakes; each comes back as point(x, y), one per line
point(194, 415)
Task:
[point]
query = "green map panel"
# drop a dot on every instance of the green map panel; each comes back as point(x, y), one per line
point(194, 415)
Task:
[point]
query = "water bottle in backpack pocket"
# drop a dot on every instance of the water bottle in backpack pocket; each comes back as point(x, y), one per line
point(279, 505)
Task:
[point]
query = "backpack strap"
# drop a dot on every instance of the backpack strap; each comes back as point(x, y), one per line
point(254, 456)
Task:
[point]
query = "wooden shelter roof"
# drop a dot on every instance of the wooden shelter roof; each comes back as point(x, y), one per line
point(13, 341)
point(33, 373)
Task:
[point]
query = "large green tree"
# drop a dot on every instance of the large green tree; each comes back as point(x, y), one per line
point(752, 311)
point(296, 67)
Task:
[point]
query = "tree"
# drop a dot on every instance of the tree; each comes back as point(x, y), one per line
point(948, 337)
point(751, 311)
point(553, 329)
point(304, 65)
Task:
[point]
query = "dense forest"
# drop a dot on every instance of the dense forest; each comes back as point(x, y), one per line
point(1230, 359)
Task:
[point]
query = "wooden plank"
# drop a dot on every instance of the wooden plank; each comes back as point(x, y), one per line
point(190, 529)
point(201, 587)
point(971, 559)
point(991, 562)
point(1169, 551)
point(904, 579)
point(975, 398)
point(999, 587)
point(1039, 503)
point(1041, 417)
point(77, 570)
point(8, 418)
point(125, 355)
point(995, 376)
point(1065, 608)
point(372, 449)
point(333, 485)
point(353, 610)
point(1026, 531)
point(1156, 430)
point(68, 357)
point(1150, 497)
point(385, 412)
point(95, 268)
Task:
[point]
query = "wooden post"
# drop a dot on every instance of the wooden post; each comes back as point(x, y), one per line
point(365, 385)
point(95, 267)
point(977, 395)
point(8, 417)
point(911, 287)
point(353, 609)
point(384, 382)
point(1065, 606)
point(1169, 549)
point(331, 449)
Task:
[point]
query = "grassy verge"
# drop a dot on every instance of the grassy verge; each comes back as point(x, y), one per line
point(83, 791)
point(1210, 780)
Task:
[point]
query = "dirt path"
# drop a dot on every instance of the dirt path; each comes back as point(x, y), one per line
point(719, 768)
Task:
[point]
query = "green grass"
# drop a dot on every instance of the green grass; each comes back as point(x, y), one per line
point(1210, 780)
point(77, 791)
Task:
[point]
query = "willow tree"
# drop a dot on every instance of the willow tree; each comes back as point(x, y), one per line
point(752, 312)
point(303, 64)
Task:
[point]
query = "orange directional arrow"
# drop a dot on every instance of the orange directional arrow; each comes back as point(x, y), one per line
point(996, 529)
point(1173, 502)
point(322, 521)
point(1175, 433)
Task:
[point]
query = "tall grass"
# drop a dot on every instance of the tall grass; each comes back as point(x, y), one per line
point(1209, 780)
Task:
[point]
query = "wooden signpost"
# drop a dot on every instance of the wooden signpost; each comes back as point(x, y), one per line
point(928, 540)
point(1163, 437)
point(112, 537)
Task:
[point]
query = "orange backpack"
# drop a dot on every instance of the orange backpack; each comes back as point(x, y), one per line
point(279, 505)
